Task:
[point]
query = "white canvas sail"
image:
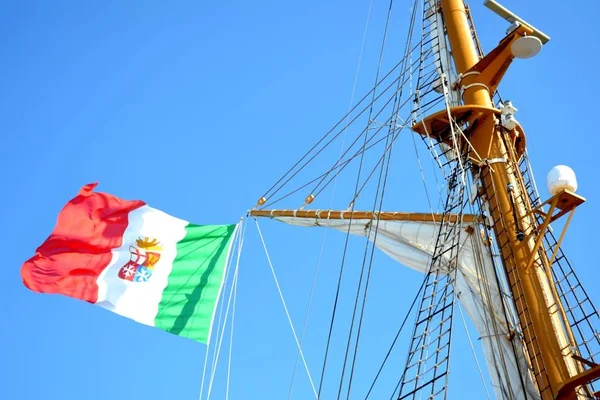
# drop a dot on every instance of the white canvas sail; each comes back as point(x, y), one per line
point(412, 244)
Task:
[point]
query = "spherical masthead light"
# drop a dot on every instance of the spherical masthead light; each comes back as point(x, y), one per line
point(560, 178)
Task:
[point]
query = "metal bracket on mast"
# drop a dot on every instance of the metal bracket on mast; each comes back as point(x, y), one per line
point(564, 201)
point(568, 387)
point(491, 68)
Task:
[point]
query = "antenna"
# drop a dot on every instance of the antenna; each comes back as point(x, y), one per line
point(514, 19)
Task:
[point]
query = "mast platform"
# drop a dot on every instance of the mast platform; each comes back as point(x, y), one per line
point(438, 126)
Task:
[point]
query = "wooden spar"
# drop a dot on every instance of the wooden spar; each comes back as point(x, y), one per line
point(356, 215)
point(545, 335)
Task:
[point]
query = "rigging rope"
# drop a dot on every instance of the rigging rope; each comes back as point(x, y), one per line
point(336, 165)
point(414, 141)
point(399, 82)
point(333, 192)
point(423, 176)
point(222, 335)
point(235, 283)
point(340, 166)
point(372, 91)
point(352, 209)
point(361, 278)
point(522, 374)
point(368, 106)
point(508, 317)
point(383, 183)
point(312, 289)
point(238, 240)
point(462, 315)
point(364, 300)
point(204, 371)
point(386, 150)
point(495, 334)
point(239, 254)
point(285, 308)
point(412, 305)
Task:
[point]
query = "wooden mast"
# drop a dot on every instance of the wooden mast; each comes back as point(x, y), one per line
point(546, 335)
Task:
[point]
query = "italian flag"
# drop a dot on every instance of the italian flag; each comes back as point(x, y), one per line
point(136, 261)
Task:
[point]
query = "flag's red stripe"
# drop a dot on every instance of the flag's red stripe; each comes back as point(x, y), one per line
point(79, 248)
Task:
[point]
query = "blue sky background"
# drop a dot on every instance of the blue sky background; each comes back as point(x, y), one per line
point(197, 108)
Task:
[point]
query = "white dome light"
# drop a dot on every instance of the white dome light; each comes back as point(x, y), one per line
point(560, 178)
point(526, 47)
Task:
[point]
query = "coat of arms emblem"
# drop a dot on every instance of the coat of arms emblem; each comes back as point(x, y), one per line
point(143, 257)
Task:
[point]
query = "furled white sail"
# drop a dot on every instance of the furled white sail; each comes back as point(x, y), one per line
point(412, 244)
point(443, 62)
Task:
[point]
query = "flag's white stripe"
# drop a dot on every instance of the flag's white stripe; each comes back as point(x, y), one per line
point(139, 300)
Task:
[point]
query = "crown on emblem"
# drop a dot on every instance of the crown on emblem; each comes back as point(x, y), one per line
point(147, 243)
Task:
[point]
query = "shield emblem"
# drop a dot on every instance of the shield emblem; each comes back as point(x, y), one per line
point(142, 260)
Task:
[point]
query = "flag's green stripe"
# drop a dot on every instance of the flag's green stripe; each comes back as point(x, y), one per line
point(188, 301)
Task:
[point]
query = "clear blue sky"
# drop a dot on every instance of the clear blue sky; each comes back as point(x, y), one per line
point(197, 108)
